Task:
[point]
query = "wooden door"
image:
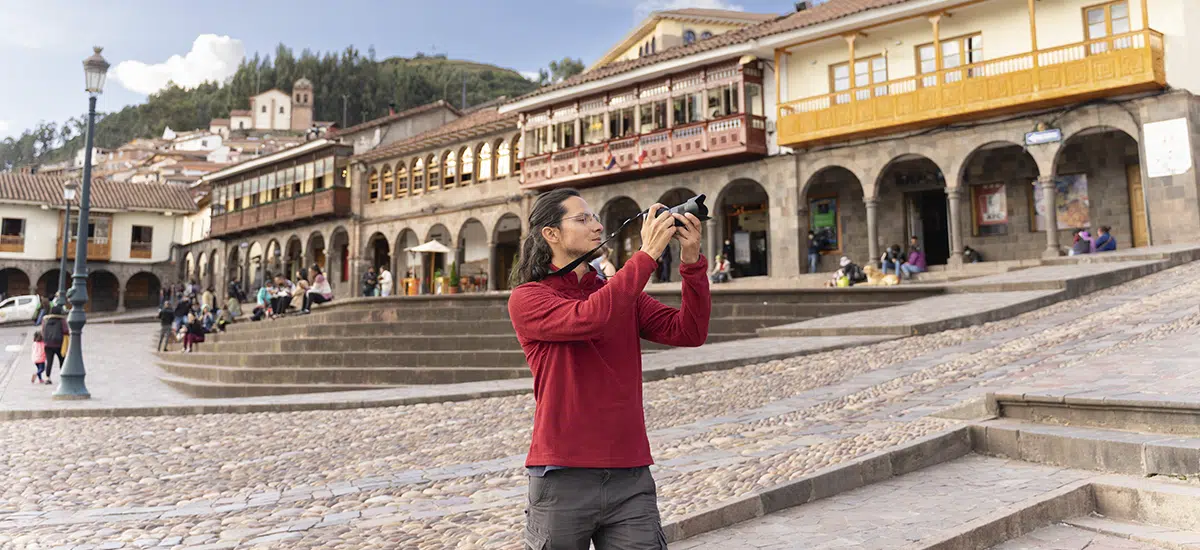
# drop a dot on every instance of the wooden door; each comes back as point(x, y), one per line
point(1137, 206)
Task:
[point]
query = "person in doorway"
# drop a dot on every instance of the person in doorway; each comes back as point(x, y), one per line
point(1083, 244)
point(720, 271)
point(664, 266)
point(1106, 242)
point(369, 282)
point(814, 252)
point(320, 292)
point(916, 260)
point(385, 281)
point(589, 458)
point(892, 258)
point(54, 331)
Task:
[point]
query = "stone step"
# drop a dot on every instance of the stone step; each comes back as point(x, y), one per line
point(1161, 417)
point(362, 378)
point(365, 343)
point(1125, 534)
point(263, 330)
point(1118, 451)
point(212, 390)
point(1067, 535)
point(357, 360)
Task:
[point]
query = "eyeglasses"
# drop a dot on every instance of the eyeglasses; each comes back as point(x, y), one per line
point(583, 218)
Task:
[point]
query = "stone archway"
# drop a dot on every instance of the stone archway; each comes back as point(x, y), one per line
point(918, 187)
point(103, 290)
point(235, 268)
point(832, 201)
point(629, 240)
point(255, 266)
point(274, 258)
point(314, 251)
point(293, 257)
point(506, 237)
point(379, 251)
point(47, 284)
point(407, 261)
point(998, 184)
point(142, 291)
point(472, 256)
point(339, 261)
point(1098, 183)
point(14, 282)
point(432, 264)
point(189, 268)
point(743, 216)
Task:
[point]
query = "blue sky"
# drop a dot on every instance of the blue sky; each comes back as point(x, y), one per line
point(43, 42)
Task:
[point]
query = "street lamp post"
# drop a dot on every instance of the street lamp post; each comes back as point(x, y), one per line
point(60, 297)
point(71, 385)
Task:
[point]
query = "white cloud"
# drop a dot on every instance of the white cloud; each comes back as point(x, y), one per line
point(213, 58)
point(643, 8)
point(4, 126)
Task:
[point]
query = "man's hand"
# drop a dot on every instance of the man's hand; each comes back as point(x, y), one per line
point(689, 238)
point(657, 231)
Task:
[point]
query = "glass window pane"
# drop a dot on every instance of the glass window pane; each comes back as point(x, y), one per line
point(1120, 26)
point(1095, 15)
point(1119, 11)
point(1097, 30)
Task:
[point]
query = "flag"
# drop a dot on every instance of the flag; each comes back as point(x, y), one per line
point(609, 161)
point(642, 157)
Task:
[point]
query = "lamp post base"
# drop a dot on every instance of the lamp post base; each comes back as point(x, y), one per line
point(71, 388)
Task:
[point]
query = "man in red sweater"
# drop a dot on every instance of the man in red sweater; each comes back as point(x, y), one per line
point(589, 461)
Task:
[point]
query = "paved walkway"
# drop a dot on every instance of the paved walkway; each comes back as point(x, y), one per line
point(448, 475)
point(898, 512)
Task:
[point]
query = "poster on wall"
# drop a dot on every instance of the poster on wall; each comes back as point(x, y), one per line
point(990, 204)
point(741, 247)
point(823, 222)
point(1072, 203)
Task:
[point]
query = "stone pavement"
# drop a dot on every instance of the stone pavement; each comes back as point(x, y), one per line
point(895, 513)
point(448, 474)
point(1067, 537)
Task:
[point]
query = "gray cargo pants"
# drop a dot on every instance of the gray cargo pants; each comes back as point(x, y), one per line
point(616, 509)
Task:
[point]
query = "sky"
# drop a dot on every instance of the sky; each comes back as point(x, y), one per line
point(43, 42)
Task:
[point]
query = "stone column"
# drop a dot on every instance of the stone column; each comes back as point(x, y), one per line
point(802, 226)
point(954, 196)
point(493, 266)
point(872, 204)
point(121, 297)
point(1045, 186)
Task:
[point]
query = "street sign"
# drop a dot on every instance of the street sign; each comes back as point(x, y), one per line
point(1041, 137)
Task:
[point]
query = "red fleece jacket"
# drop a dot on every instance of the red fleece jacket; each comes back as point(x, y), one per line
point(581, 340)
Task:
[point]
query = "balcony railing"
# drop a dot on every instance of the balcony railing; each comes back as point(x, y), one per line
point(334, 201)
point(738, 134)
point(12, 243)
point(1113, 65)
point(141, 251)
point(97, 249)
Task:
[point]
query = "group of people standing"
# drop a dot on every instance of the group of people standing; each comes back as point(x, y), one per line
point(377, 283)
point(49, 342)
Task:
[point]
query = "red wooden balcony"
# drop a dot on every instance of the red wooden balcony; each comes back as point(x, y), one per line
point(331, 202)
point(731, 137)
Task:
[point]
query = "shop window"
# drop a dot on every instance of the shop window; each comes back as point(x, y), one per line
point(722, 101)
point(688, 108)
point(620, 123)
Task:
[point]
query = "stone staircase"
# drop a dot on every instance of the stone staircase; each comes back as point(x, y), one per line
point(369, 343)
point(1033, 473)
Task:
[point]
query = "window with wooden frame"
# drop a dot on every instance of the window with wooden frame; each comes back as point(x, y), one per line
point(388, 184)
point(485, 162)
point(1106, 20)
point(432, 172)
point(956, 52)
point(867, 71)
point(449, 169)
point(402, 178)
point(373, 186)
point(467, 160)
point(503, 162)
point(418, 178)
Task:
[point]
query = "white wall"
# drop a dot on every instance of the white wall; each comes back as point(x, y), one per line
point(166, 230)
point(41, 231)
point(1177, 20)
point(241, 123)
point(199, 143)
point(271, 120)
point(195, 227)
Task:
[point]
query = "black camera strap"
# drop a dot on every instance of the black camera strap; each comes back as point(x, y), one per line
point(575, 263)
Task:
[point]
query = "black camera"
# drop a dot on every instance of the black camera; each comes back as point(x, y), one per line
point(694, 206)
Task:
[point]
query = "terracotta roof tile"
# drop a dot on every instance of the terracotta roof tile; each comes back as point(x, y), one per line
point(106, 195)
point(832, 10)
point(719, 14)
point(483, 121)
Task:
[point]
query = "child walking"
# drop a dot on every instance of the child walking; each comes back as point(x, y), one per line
point(39, 357)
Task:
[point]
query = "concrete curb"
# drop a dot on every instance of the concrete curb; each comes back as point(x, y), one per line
point(1019, 519)
point(860, 472)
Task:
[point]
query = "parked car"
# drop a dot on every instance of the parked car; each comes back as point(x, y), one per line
point(19, 308)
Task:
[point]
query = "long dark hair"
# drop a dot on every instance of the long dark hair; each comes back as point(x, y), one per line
point(534, 263)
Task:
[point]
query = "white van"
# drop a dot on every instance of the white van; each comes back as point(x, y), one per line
point(19, 308)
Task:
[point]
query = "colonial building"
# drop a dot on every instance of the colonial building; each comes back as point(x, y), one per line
point(276, 214)
point(398, 126)
point(273, 109)
point(664, 30)
point(132, 233)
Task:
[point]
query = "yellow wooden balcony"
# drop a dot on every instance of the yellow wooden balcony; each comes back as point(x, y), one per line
point(1114, 65)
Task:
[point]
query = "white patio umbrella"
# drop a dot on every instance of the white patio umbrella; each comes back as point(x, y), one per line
point(431, 247)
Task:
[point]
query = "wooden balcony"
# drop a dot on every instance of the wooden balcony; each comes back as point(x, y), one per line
point(97, 249)
point(319, 204)
point(730, 137)
point(12, 243)
point(1115, 65)
point(141, 251)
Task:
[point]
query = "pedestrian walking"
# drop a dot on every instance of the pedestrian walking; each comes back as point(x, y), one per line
point(166, 318)
point(385, 281)
point(39, 358)
point(589, 458)
point(54, 328)
point(369, 282)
